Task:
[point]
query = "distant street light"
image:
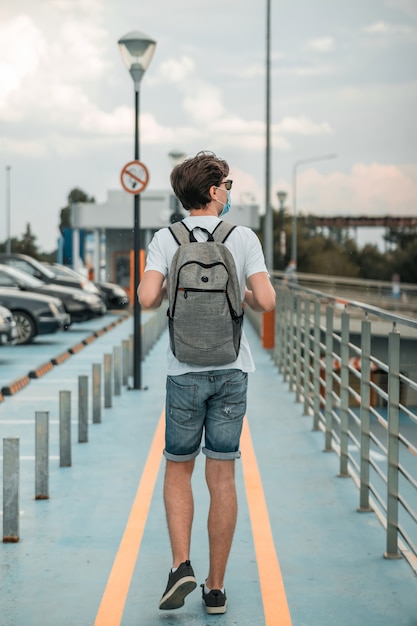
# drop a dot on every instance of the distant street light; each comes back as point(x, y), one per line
point(294, 198)
point(8, 213)
point(282, 196)
point(137, 51)
point(176, 157)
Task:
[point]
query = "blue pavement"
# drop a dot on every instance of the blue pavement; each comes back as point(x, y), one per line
point(331, 556)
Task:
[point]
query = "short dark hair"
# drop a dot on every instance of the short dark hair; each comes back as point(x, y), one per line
point(192, 179)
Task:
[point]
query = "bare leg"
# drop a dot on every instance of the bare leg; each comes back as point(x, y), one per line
point(179, 507)
point(220, 477)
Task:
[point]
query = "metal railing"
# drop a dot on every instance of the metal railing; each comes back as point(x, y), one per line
point(360, 397)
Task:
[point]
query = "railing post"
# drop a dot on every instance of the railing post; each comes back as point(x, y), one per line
point(11, 477)
point(82, 409)
point(306, 355)
point(316, 366)
point(107, 381)
point(365, 417)
point(291, 340)
point(96, 393)
point(393, 443)
point(287, 334)
point(297, 336)
point(41, 455)
point(329, 380)
point(344, 395)
point(65, 429)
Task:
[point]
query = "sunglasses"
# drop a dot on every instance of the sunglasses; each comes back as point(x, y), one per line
point(228, 184)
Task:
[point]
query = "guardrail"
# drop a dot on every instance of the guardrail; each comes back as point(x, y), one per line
point(379, 293)
point(360, 398)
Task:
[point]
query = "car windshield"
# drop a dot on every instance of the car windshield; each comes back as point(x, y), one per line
point(22, 277)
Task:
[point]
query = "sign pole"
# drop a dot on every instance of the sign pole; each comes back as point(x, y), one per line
point(137, 323)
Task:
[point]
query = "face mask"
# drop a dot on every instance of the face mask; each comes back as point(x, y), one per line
point(226, 207)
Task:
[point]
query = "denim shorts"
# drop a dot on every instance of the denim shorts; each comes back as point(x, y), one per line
point(212, 402)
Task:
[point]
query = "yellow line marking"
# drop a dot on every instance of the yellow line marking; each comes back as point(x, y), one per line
point(114, 598)
point(272, 587)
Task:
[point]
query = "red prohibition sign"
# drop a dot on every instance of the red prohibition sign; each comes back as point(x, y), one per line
point(134, 177)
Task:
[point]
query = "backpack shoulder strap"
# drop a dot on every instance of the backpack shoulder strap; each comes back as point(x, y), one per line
point(222, 231)
point(180, 232)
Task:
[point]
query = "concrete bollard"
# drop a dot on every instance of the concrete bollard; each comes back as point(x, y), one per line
point(131, 355)
point(65, 429)
point(96, 393)
point(117, 373)
point(41, 455)
point(82, 409)
point(11, 490)
point(107, 381)
point(125, 362)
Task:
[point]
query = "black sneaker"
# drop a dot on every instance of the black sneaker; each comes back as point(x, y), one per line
point(180, 584)
point(214, 601)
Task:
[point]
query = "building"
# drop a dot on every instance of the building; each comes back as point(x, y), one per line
point(107, 229)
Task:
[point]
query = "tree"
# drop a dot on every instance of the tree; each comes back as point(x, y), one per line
point(27, 245)
point(74, 196)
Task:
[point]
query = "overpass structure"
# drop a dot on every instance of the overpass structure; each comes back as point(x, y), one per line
point(347, 221)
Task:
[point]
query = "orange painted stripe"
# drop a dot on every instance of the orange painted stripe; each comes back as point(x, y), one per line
point(272, 587)
point(112, 604)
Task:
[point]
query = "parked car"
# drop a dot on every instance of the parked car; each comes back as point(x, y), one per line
point(34, 314)
point(45, 273)
point(77, 303)
point(8, 330)
point(114, 296)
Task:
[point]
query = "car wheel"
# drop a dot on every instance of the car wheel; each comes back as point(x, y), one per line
point(25, 327)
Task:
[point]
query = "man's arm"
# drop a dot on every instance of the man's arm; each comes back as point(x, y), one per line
point(152, 289)
point(261, 295)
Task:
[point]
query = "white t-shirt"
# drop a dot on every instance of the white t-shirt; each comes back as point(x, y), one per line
point(249, 259)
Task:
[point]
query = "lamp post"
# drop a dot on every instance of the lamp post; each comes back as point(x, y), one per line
point(176, 157)
point(268, 234)
point(294, 198)
point(282, 196)
point(137, 50)
point(8, 214)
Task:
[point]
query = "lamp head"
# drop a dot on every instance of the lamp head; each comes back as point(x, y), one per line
point(282, 196)
point(137, 50)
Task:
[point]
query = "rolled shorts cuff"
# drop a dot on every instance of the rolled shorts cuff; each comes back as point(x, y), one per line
point(222, 456)
point(181, 458)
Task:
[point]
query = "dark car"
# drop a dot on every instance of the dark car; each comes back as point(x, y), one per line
point(114, 296)
point(8, 330)
point(43, 272)
point(34, 314)
point(78, 304)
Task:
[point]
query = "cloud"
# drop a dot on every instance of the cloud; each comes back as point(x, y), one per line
point(390, 30)
point(173, 70)
point(21, 51)
point(302, 125)
point(322, 44)
point(369, 189)
point(409, 7)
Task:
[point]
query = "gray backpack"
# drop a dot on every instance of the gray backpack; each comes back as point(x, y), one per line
point(205, 314)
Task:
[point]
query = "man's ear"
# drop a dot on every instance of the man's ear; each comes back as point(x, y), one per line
point(212, 192)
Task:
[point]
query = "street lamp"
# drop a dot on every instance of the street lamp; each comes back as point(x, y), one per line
point(137, 50)
point(282, 196)
point(294, 198)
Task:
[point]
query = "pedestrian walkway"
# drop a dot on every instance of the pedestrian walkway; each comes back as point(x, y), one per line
point(97, 552)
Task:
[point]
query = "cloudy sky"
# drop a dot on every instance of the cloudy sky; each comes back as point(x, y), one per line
point(343, 81)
